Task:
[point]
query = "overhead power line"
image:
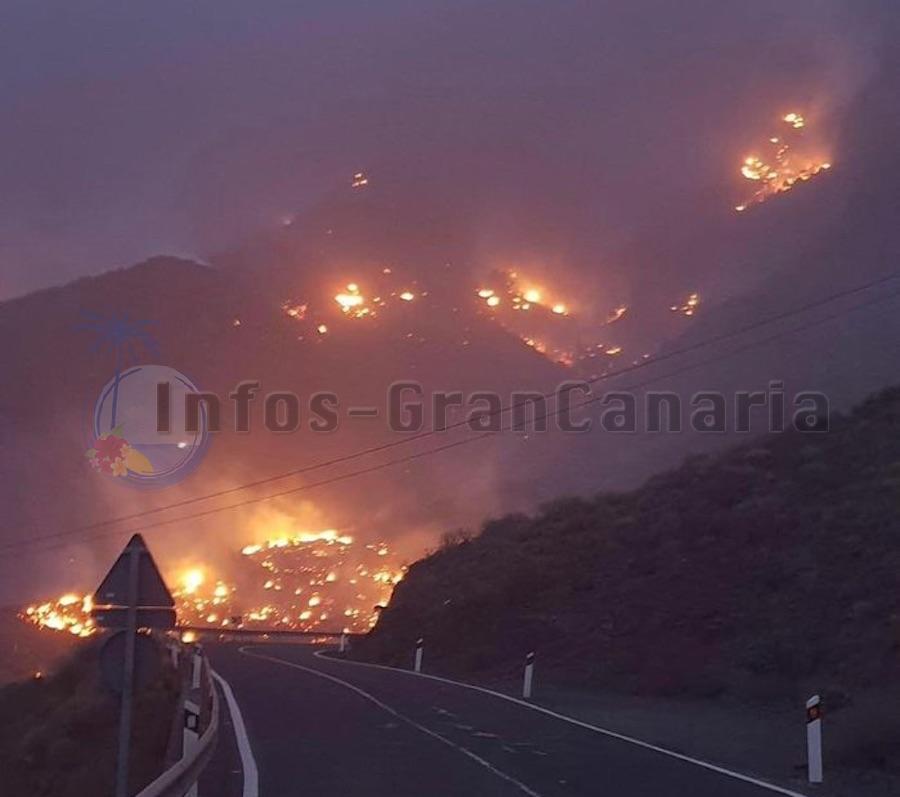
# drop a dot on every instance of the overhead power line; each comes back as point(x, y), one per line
point(76, 536)
point(504, 410)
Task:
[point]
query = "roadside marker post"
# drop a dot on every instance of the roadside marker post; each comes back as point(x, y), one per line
point(814, 738)
point(529, 676)
point(195, 673)
point(419, 648)
point(190, 736)
point(343, 643)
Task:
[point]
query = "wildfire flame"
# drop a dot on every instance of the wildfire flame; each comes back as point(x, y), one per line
point(616, 314)
point(70, 613)
point(352, 302)
point(688, 306)
point(305, 581)
point(784, 166)
point(541, 319)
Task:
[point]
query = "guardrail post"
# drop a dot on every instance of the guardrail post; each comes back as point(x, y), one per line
point(205, 694)
point(529, 676)
point(176, 733)
point(814, 738)
point(195, 748)
point(420, 643)
point(191, 735)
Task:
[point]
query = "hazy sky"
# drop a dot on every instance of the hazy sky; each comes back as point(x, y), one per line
point(179, 127)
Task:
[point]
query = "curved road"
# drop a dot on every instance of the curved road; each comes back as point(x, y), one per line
point(330, 728)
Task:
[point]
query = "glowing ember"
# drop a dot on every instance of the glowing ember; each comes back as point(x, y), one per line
point(688, 307)
point(295, 310)
point(787, 163)
point(617, 314)
point(352, 303)
point(349, 301)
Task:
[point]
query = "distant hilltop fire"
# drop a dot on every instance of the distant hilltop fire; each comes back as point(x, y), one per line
point(565, 325)
point(305, 581)
point(785, 160)
point(532, 310)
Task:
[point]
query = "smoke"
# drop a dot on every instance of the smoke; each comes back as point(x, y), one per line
point(555, 132)
point(593, 147)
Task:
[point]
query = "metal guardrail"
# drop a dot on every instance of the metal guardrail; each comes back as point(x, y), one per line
point(178, 779)
point(224, 631)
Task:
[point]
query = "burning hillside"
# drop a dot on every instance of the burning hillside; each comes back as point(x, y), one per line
point(305, 581)
point(70, 612)
point(558, 328)
point(786, 159)
point(544, 319)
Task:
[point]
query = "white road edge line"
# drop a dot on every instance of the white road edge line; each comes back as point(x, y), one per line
point(402, 717)
point(248, 762)
point(572, 721)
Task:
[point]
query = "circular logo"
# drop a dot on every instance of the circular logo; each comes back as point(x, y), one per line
point(140, 430)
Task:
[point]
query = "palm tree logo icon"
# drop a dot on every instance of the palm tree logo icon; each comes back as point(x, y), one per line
point(124, 338)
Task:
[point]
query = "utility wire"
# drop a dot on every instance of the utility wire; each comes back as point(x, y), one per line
point(406, 440)
point(9, 548)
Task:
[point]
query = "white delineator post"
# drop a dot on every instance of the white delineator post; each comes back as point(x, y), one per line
point(195, 673)
point(420, 643)
point(814, 738)
point(191, 735)
point(529, 676)
point(343, 643)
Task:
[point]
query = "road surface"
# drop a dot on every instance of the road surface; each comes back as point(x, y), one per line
point(324, 727)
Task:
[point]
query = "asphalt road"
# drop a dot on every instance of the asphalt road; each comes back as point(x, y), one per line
point(335, 729)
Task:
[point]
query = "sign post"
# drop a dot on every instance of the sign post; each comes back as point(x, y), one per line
point(133, 595)
point(134, 564)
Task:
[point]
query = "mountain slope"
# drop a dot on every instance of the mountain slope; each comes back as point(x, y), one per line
point(54, 372)
point(771, 567)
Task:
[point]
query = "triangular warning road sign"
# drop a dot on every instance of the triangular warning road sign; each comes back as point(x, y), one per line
point(151, 589)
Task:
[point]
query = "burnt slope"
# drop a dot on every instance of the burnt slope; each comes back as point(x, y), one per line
point(772, 566)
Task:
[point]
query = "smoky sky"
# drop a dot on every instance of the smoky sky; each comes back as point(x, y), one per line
point(174, 127)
